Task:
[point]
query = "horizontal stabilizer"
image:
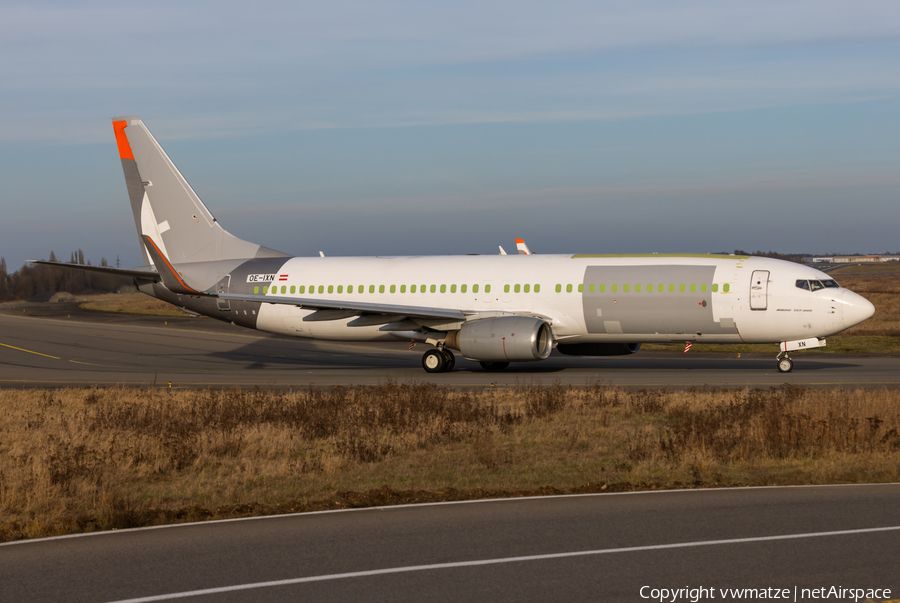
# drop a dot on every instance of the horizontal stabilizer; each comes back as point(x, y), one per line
point(144, 274)
point(170, 277)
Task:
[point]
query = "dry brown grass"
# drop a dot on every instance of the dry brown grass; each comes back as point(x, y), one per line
point(867, 268)
point(128, 303)
point(884, 292)
point(76, 460)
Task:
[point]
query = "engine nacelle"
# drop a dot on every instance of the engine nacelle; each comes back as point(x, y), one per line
point(598, 349)
point(503, 339)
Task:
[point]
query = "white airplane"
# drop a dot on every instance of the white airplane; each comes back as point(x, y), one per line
point(492, 309)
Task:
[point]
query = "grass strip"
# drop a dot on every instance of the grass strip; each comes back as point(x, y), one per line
point(82, 460)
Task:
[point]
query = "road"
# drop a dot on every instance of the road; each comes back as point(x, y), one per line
point(56, 345)
point(571, 548)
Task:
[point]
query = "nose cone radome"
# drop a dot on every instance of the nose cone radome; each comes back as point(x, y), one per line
point(856, 309)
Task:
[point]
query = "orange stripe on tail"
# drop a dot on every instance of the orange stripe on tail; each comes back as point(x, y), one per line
point(122, 140)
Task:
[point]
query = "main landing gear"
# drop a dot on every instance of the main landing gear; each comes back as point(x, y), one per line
point(785, 364)
point(438, 360)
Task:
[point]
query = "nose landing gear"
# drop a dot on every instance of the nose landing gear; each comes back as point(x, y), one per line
point(785, 364)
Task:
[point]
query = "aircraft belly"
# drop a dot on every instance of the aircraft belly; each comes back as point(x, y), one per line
point(649, 310)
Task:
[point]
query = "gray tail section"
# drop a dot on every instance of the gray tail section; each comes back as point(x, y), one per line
point(167, 209)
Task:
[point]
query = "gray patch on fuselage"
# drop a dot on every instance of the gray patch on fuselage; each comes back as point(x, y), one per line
point(647, 312)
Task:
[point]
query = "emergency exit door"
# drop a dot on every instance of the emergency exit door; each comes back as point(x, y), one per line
point(759, 290)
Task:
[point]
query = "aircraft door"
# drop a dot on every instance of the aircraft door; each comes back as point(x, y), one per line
point(759, 290)
point(224, 286)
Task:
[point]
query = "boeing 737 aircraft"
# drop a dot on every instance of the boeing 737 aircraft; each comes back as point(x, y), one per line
point(492, 309)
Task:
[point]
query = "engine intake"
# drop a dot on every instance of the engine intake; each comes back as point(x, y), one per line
point(598, 349)
point(503, 339)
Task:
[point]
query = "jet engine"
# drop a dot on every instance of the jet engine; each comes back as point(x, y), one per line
point(503, 339)
point(598, 349)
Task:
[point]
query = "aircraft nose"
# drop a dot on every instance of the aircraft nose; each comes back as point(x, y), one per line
point(856, 309)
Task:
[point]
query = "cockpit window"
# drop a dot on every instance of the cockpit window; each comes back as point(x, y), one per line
point(815, 285)
point(803, 285)
point(831, 284)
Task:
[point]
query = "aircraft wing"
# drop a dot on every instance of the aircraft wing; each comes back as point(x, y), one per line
point(351, 308)
point(144, 274)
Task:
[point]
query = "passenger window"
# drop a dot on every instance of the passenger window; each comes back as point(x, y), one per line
point(559, 288)
point(256, 290)
point(321, 288)
point(265, 289)
point(371, 288)
point(568, 288)
point(487, 288)
point(301, 289)
point(703, 288)
point(626, 288)
point(402, 288)
point(422, 289)
point(671, 288)
point(517, 288)
point(725, 288)
point(474, 288)
point(506, 288)
point(452, 288)
point(602, 288)
point(537, 288)
point(393, 288)
point(527, 288)
point(815, 285)
point(462, 288)
point(283, 289)
point(581, 288)
point(349, 288)
point(330, 288)
point(381, 288)
point(615, 288)
point(293, 289)
point(715, 287)
point(637, 288)
point(434, 288)
point(591, 288)
point(443, 288)
point(412, 289)
point(693, 288)
point(661, 288)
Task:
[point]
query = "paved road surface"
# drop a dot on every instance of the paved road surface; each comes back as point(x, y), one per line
point(59, 344)
point(582, 548)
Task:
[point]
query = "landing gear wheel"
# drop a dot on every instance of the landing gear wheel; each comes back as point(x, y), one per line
point(450, 360)
point(493, 366)
point(434, 361)
point(785, 365)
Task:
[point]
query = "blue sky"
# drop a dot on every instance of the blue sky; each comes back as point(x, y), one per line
point(379, 128)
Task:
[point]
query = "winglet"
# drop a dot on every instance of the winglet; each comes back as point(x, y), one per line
point(522, 247)
point(170, 277)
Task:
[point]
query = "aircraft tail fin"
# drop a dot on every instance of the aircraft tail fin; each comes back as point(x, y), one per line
point(167, 209)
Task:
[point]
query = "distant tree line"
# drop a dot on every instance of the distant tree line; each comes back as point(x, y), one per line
point(30, 280)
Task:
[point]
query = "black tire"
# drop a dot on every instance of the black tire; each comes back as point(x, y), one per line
point(434, 361)
point(785, 365)
point(493, 366)
point(451, 360)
